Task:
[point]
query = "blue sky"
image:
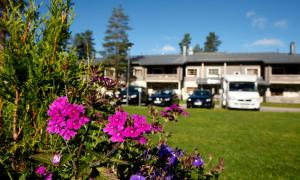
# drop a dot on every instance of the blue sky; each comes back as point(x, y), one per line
point(159, 25)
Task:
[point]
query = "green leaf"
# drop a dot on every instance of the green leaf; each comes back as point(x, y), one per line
point(84, 170)
point(23, 176)
point(42, 157)
point(119, 161)
point(106, 173)
point(65, 158)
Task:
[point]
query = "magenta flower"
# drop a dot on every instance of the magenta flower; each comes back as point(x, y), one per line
point(65, 118)
point(120, 126)
point(48, 176)
point(56, 159)
point(41, 170)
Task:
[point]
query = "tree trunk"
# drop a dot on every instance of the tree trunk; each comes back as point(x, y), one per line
point(1, 113)
point(15, 132)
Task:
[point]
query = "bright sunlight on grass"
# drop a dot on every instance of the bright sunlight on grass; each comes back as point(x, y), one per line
point(255, 145)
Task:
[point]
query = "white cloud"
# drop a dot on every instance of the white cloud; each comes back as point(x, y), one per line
point(168, 48)
point(281, 24)
point(257, 21)
point(266, 42)
point(249, 14)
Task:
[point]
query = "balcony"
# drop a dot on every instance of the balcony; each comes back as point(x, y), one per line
point(284, 79)
point(162, 77)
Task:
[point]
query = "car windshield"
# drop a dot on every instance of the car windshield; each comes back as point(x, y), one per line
point(201, 93)
point(131, 90)
point(242, 86)
point(163, 92)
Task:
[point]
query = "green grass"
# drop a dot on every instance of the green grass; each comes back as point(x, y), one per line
point(255, 145)
point(281, 105)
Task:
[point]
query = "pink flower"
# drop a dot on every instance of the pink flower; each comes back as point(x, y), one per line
point(65, 118)
point(121, 127)
point(41, 170)
point(56, 159)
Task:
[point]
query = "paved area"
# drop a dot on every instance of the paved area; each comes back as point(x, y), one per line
point(278, 109)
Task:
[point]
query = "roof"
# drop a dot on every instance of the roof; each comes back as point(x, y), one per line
point(267, 58)
point(158, 60)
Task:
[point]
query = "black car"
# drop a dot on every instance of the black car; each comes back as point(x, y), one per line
point(137, 95)
point(163, 98)
point(200, 98)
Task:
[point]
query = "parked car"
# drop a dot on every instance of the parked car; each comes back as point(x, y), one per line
point(136, 94)
point(163, 98)
point(200, 98)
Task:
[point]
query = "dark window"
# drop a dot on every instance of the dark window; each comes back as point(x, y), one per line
point(242, 86)
point(162, 70)
point(276, 91)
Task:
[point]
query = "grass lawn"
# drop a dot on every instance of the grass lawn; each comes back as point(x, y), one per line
point(281, 105)
point(255, 145)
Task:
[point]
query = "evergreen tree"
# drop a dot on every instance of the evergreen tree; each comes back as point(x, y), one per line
point(116, 42)
point(197, 48)
point(212, 43)
point(83, 42)
point(186, 41)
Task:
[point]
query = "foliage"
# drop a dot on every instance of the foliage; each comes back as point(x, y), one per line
point(212, 43)
point(61, 119)
point(197, 48)
point(83, 42)
point(186, 41)
point(116, 42)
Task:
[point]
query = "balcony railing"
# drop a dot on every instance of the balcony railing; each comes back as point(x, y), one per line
point(285, 78)
point(162, 77)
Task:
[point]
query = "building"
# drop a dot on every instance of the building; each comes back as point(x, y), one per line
point(279, 73)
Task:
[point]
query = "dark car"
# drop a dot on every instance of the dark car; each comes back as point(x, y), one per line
point(200, 98)
point(163, 98)
point(137, 95)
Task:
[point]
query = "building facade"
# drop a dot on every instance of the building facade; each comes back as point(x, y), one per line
point(278, 73)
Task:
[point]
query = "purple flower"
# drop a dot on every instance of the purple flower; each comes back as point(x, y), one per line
point(56, 159)
point(198, 162)
point(172, 112)
point(41, 170)
point(48, 176)
point(137, 177)
point(65, 118)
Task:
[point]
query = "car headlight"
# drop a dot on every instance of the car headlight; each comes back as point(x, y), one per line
point(208, 100)
point(133, 96)
point(189, 99)
point(167, 99)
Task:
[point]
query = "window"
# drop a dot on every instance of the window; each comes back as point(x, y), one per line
point(192, 72)
point(252, 71)
point(278, 70)
point(213, 72)
point(138, 73)
point(242, 86)
point(162, 70)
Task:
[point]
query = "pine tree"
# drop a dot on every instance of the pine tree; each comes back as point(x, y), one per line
point(197, 48)
point(83, 42)
point(186, 41)
point(116, 42)
point(212, 43)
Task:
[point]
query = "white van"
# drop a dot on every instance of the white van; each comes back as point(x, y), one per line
point(240, 92)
